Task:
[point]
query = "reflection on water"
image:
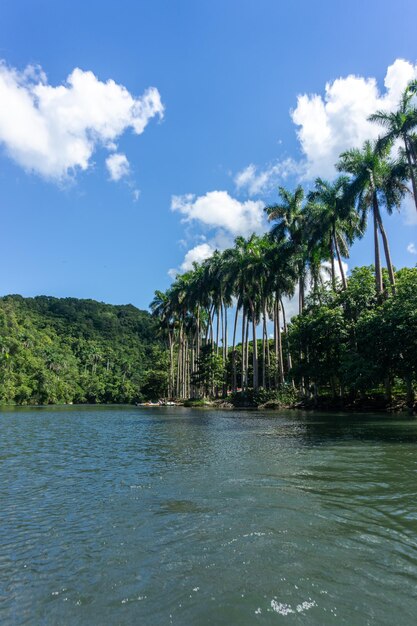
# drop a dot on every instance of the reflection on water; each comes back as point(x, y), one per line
point(176, 516)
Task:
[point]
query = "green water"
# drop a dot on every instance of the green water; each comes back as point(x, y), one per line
point(115, 516)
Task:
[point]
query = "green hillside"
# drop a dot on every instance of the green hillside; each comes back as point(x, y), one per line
point(61, 350)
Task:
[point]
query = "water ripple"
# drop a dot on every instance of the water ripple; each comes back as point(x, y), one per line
point(122, 516)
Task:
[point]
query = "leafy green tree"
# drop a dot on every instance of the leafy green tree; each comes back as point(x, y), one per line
point(209, 373)
point(67, 350)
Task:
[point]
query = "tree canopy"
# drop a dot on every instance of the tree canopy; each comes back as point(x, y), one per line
point(56, 350)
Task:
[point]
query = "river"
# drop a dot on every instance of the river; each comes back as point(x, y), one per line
point(150, 517)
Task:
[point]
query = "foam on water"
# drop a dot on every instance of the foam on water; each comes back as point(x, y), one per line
point(286, 609)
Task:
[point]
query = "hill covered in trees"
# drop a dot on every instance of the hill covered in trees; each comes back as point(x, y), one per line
point(66, 350)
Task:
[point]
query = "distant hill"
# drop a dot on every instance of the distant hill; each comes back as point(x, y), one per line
point(61, 350)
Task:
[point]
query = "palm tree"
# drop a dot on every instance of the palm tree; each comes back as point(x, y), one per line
point(220, 290)
point(332, 222)
point(289, 218)
point(194, 300)
point(400, 124)
point(280, 281)
point(375, 180)
point(224, 289)
point(179, 296)
point(162, 309)
point(246, 263)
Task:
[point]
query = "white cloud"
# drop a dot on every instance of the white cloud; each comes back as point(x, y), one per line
point(222, 240)
point(202, 251)
point(337, 121)
point(118, 166)
point(257, 182)
point(326, 270)
point(327, 125)
point(411, 248)
point(333, 122)
point(196, 255)
point(217, 209)
point(54, 130)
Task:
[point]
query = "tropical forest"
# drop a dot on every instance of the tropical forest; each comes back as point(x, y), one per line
point(221, 331)
point(354, 339)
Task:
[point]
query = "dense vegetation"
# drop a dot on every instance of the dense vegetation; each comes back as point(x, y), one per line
point(67, 350)
point(353, 337)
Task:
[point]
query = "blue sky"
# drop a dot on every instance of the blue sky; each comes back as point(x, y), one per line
point(212, 141)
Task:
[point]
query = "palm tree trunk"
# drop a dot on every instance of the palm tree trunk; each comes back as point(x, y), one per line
point(268, 361)
point(198, 334)
point(171, 365)
point(209, 327)
point(220, 315)
point(189, 358)
point(234, 374)
point(223, 328)
point(243, 347)
point(301, 294)
point(276, 381)
point(247, 353)
point(289, 359)
point(301, 308)
point(185, 369)
point(183, 366)
point(386, 248)
point(339, 260)
point(217, 330)
point(264, 337)
point(279, 342)
point(332, 265)
point(284, 319)
point(254, 348)
point(211, 318)
point(378, 271)
point(192, 393)
point(177, 391)
point(225, 351)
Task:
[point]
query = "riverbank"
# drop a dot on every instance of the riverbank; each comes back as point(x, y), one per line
point(374, 404)
point(361, 405)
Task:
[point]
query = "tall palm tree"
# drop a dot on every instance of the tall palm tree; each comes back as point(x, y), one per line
point(179, 295)
point(162, 309)
point(224, 287)
point(280, 281)
point(376, 181)
point(231, 287)
point(332, 221)
point(196, 300)
point(289, 218)
point(246, 262)
point(401, 124)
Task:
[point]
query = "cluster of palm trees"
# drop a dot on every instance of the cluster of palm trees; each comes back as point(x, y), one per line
point(311, 234)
